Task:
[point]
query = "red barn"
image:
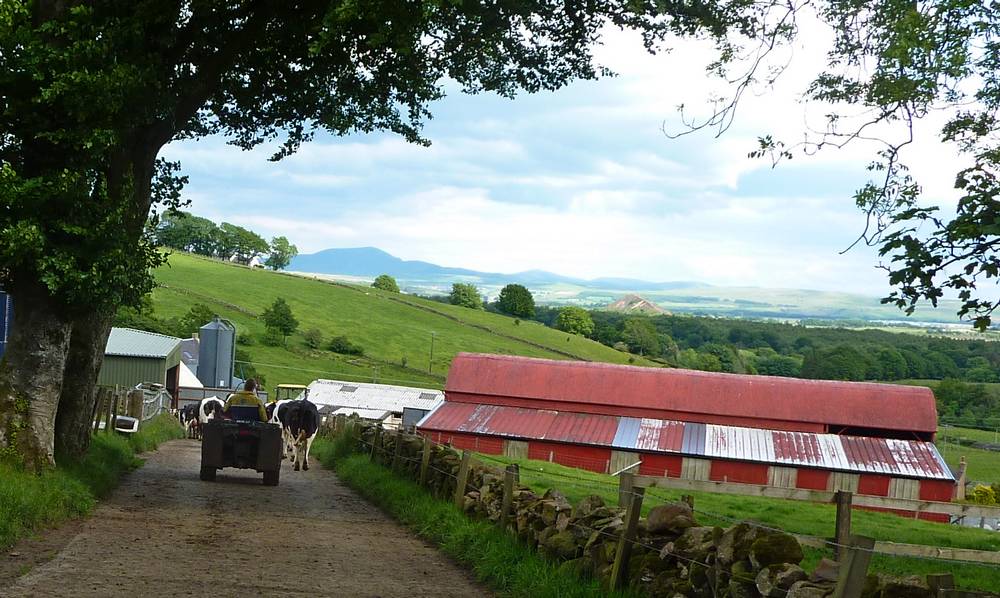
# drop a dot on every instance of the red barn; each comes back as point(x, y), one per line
point(867, 438)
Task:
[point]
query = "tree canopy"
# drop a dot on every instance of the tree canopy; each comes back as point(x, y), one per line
point(892, 64)
point(386, 283)
point(282, 253)
point(278, 319)
point(465, 295)
point(575, 320)
point(516, 300)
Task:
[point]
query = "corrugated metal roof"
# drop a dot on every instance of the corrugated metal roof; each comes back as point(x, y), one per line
point(372, 414)
point(126, 342)
point(858, 454)
point(709, 397)
point(361, 395)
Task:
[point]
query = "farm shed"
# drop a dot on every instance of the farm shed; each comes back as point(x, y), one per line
point(376, 397)
point(134, 356)
point(696, 425)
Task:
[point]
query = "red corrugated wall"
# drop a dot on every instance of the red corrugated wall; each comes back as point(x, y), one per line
point(661, 465)
point(937, 490)
point(738, 472)
point(812, 479)
point(874, 485)
point(591, 458)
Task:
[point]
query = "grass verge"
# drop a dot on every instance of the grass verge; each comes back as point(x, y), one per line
point(498, 559)
point(29, 502)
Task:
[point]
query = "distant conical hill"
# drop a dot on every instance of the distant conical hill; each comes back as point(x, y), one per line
point(634, 304)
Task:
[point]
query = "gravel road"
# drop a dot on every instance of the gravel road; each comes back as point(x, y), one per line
point(165, 533)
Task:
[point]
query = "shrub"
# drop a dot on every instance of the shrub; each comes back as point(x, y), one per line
point(343, 345)
point(313, 338)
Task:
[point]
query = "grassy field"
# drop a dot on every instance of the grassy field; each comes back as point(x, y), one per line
point(982, 466)
point(30, 502)
point(393, 329)
point(793, 516)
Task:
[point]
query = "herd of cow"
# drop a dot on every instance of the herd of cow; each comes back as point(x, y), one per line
point(299, 421)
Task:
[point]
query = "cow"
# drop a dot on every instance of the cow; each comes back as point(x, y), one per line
point(275, 414)
point(301, 421)
point(189, 419)
point(210, 409)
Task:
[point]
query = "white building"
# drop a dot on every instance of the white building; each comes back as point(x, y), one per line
point(405, 404)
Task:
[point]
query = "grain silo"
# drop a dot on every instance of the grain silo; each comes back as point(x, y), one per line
point(217, 353)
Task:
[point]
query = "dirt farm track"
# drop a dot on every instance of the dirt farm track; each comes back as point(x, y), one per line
point(165, 533)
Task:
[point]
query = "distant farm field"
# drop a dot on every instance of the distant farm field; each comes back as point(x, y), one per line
point(394, 330)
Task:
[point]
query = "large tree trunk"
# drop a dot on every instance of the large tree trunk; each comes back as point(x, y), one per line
point(76, 402)
point(31, 376)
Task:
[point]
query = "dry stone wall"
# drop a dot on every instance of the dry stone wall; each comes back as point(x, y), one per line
point(672, 554)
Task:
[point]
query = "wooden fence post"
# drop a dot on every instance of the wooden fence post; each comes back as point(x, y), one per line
point(376, 438)
point(517, 473)
point(463, 479)
point(397, 449)
point(960, 483)
point(95, 419)
point(508, 496)
point(134, 404)
point(109, 425)
point(854, 567)
point(619, 571)
point(425, 462)
point(842, 528)
point(626, 481)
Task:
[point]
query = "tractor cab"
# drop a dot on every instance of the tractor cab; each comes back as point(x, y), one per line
point(284, 392)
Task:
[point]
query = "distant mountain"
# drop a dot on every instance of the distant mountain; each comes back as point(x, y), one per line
point(369, 262)
point(634, 304)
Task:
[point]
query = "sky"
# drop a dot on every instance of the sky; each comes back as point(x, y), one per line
point(582, 182)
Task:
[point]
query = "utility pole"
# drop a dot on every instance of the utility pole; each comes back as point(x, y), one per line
point(430, 362)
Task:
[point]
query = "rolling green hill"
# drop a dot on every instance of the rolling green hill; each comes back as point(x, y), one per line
point(394, 330)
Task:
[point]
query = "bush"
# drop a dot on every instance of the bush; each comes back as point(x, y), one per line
point(245, 339)
point(273, 337)
point(343, 345)
point(313, 338)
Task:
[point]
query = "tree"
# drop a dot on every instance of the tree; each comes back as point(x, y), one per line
point(778, 365)
point(575, 320)
point(842, 362)
point(640, 336)
point(245, 244)
point(187, 232)
point(465, 295)
point(92, 91)
point(923, 60)
point(386, 283)
point(516, 300)
point(282, 253)
point(197, 316)
point(278, 319)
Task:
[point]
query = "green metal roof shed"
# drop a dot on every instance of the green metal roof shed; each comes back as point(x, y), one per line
point(135, 356)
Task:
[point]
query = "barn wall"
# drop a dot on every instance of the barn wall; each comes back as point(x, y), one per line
point(937, 490)
point(812, 479)
point(662, 465)
point(591, 458)
point(129, 371)
point(874, 485)
point(738, 472)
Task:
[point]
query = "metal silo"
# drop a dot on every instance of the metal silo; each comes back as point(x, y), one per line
point(217, 353)
point(6, 317)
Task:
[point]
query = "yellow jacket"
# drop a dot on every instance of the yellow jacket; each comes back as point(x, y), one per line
point(247, 399)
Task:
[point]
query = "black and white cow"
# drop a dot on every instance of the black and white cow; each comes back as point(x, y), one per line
point(275, 414)
point(189, 419)
point(300, 420)
point(209, 409)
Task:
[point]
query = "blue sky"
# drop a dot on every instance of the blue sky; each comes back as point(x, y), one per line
point(582, 182)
